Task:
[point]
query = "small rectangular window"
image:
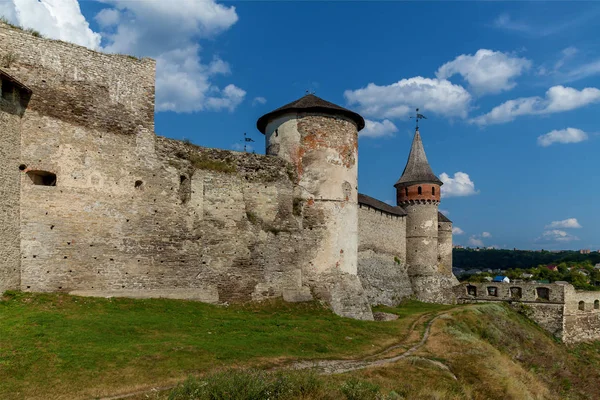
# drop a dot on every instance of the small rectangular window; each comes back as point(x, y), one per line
point(43, 178)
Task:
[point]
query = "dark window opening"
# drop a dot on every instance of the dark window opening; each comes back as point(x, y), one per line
point(182, 178)
point(433, 191)
point(138, 184)
point(596, 304)
point(543, 293)
point(406, 191)
point(43, 178)
point(8, 90)
point(22, 167)
point(581, 306)
point(420, 191)
point(516, 292)
point(492, 291)
point(472, 290)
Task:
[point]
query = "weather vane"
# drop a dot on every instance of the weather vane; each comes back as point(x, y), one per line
point(418, 117)
point(246, 140)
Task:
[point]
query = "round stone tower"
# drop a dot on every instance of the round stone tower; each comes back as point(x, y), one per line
point(418, 192)
point(445, 245)
point(320, 139)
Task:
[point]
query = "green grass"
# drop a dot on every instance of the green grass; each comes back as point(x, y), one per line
point(77, 346)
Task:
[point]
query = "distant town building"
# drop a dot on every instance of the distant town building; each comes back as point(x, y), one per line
point(458, 246)
point(552, 267)
point(584, 251)
point(526, 275)
point(501, 278)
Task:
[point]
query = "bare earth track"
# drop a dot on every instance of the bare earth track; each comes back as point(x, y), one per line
point(329, 367)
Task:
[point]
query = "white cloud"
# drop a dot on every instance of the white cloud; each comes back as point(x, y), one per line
point(557, 235)
point(460, 185)
point(505, 22)
point(567, 69)
point(486, 71)
point(108, 17)
point(259, 100)
point(569, 135)
point(474, 241)
point(399, 99)
point(565, 223)
point(376, 129)
point(445, 212)
point(558, 99)
point(185, 82)
point(457, 231)
point(486, 235)
point(55, 19)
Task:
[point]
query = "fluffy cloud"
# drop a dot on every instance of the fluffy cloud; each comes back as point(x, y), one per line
point(55, 19)
point(460, 185)
point(558, 99)
point(445, 212)
point(486, 71)
point(376, 129)
point(569, 135)
point(565, 223)
point(474, 241)
point(157, 29)
point(259, 100)
point(399, 99)
point(556, 235)
point(486, 235)
point(457, 231)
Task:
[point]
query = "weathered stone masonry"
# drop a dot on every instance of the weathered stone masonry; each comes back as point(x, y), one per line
point(94, 203)
point(568, 314)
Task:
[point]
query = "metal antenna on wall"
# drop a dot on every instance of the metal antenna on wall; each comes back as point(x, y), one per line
point(246, 140)
point(418, 117)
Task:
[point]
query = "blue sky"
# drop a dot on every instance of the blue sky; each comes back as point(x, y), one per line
point(511, 92)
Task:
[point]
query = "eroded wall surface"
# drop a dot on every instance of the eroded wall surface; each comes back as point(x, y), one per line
point(10, 143)
point(382, 256)
point(582, 316)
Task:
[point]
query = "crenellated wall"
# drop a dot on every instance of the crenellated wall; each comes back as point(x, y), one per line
point(573, 316)
point(382, 255)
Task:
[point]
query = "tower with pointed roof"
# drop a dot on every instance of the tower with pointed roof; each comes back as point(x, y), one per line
point(418, 192)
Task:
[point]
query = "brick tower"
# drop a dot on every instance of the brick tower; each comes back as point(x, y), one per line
point(418, 192)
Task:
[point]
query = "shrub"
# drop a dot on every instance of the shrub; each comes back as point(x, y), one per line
point(202, 162)
point(355, 389)
point(249, 385)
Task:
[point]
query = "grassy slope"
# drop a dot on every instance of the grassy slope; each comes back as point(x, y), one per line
point(76, 347)
point(58, 346)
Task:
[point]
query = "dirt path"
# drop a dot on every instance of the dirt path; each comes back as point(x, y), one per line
point(328, 367)
point(340, 366)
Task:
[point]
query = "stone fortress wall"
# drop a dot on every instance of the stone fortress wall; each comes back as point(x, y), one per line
point(382, 252)
point(566, 313)
point(109, 208)
point(92, 202)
